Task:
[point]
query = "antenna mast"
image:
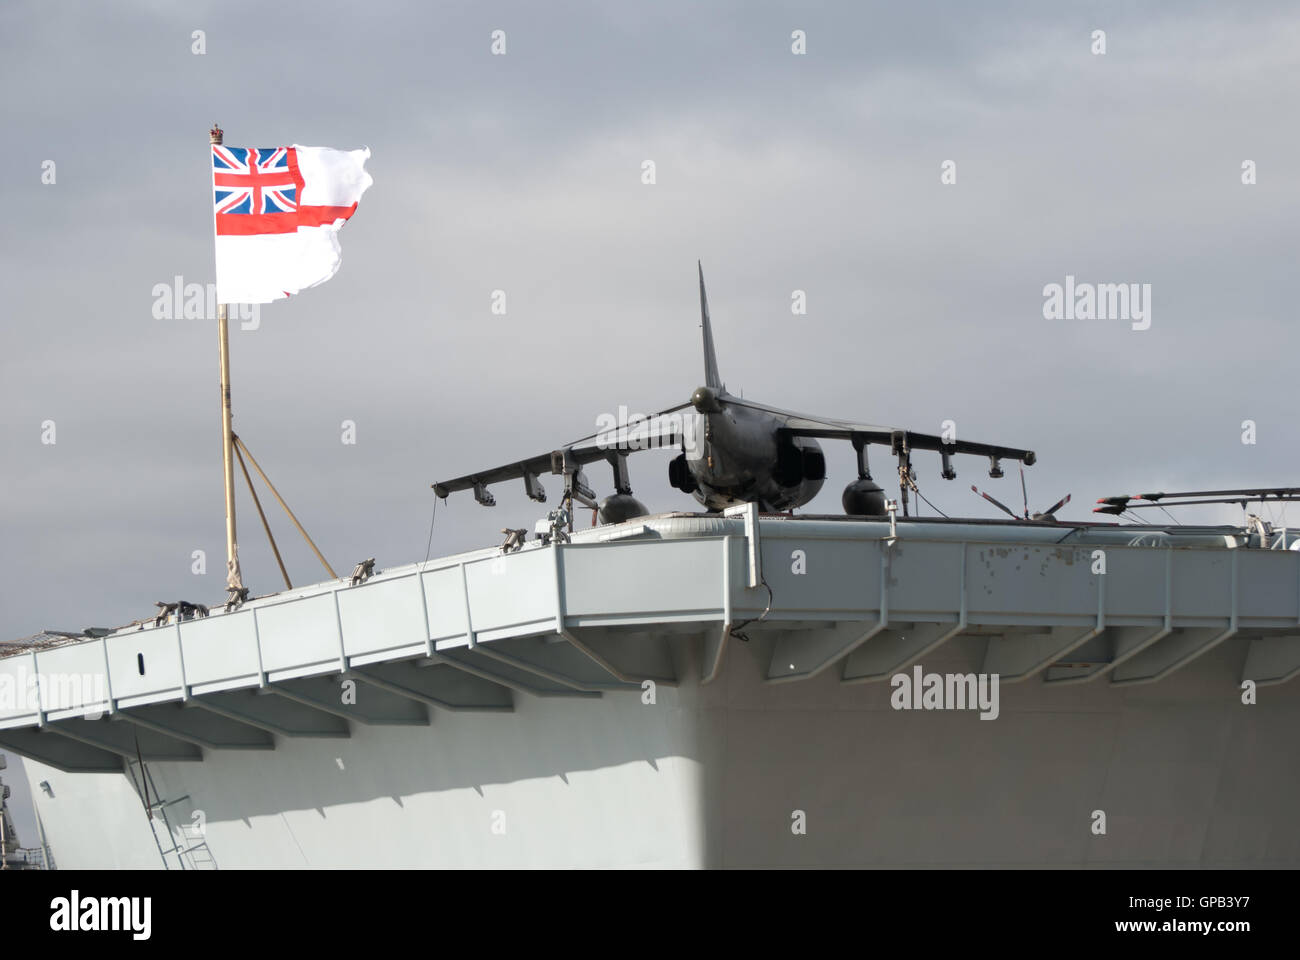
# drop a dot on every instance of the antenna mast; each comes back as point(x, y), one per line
point(234, 579)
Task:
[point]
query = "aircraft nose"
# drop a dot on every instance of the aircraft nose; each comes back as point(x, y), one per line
point(705, 400)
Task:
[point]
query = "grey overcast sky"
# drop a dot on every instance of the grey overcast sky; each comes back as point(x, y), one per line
point(817, 172)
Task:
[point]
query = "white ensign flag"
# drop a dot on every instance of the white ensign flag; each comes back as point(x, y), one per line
point(278, 211)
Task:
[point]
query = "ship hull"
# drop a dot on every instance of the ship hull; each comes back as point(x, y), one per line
point(692, 692)
point(742, 773)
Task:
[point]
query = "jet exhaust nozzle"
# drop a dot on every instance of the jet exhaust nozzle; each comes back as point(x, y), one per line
point(680, 476)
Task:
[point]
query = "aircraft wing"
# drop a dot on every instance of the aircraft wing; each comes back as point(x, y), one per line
point(658, 425)
point(804, 425)
point(655, 430)
point(529, 471)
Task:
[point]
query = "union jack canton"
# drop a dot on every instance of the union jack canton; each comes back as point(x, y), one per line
point(255, 182)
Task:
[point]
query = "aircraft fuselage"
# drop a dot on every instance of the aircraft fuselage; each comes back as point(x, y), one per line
point(737, 454)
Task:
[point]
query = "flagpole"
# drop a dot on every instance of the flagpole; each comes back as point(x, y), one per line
point(234, 579)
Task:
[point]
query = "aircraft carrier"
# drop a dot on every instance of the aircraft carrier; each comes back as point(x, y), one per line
point(699, 690)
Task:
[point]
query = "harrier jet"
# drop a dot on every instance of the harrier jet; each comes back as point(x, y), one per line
point(733, 451)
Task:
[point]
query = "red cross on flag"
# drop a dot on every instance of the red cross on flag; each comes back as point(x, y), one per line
point(278, 211)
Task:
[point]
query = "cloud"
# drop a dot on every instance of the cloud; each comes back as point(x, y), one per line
point(522, 173)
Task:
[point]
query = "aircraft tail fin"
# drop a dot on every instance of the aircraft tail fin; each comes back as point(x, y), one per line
point(711, 378)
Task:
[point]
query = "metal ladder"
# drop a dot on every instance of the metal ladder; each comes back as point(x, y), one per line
point(190, 849)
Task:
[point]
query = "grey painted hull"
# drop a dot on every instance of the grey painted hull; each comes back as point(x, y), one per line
point(712, 776)
point(772, 740)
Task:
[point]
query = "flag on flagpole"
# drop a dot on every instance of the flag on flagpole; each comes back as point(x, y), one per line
point(278, 211)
